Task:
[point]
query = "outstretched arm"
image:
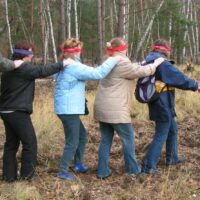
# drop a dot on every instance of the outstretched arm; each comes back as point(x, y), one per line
point(84, 72)
point(172, 76)
point(31, 71)
point(136, 70)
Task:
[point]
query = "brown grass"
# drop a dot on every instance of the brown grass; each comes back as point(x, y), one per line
point(176, 183)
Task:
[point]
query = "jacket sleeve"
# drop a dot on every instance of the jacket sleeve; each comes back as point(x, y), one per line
point(31, 71)
point(135, 70)
point(84, 72)
point(172, 76)
point(6, 64)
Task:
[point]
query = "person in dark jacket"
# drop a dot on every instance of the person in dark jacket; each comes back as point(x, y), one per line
point(15, 109)
point(162, 111)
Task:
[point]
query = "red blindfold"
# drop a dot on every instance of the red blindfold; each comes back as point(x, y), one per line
point(71, 50)
point(165, 48)
point(111, 51)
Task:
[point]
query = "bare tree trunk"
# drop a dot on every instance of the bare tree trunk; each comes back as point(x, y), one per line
point(139, 46)
point(193, 34)
point(170, 28)
point(126, 24)
point(42, 23)
point(158, 29)
point(76, 19)
point(190, 48)
point(142, 11)
point(69, 18)
point(115, 10)
point(186, 10)
point(22, 23)
point(111, 19)
point(62, 20)
point(103, 22)
point(8, 25)
point(32, 15)
point(121, 18)
point(100, 29)
point(51, 31)
point(197, 34)
point(46, 39)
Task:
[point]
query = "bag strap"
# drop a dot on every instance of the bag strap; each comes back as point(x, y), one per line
point(169, 99)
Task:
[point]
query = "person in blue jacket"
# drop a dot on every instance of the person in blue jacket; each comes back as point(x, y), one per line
point(162, 111)
point(69, 104)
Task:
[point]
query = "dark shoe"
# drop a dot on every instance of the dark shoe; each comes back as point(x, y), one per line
point(154, 172)
point(103, 177)
point(80, 168)
point(179, 161)
point(65, 176)
point(9, 180)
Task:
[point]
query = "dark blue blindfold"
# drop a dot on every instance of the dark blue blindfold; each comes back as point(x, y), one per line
point(22, 51)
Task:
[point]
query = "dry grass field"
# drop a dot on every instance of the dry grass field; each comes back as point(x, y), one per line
point(176, 183)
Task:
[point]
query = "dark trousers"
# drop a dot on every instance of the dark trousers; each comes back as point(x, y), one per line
point(19, 128)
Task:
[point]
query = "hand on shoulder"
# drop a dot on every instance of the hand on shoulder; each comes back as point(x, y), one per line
point(68, 61)
point(18, 63)
point(159, 61)
point(119, 58)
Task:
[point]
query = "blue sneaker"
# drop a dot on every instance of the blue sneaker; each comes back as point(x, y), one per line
point(65, 176)
point(80, 168)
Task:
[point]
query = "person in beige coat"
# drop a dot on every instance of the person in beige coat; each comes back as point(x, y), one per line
point(112, 108)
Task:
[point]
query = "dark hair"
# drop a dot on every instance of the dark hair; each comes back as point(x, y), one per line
point(22, 45)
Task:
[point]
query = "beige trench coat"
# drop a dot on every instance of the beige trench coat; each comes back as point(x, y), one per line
point(114, 96)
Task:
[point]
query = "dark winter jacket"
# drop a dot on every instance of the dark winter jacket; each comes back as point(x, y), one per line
point(163, 108)
point(18, 86)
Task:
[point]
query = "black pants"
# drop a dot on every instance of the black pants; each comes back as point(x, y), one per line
point(19, 128)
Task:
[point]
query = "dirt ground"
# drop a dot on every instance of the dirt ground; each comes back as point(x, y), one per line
point(181, 182)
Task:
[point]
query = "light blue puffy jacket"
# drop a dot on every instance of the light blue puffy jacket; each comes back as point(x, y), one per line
point(69, 94)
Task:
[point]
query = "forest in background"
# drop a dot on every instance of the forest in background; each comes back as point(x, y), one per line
point(47, 23)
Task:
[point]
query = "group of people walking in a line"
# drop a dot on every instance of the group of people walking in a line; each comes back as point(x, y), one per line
point(112, 107)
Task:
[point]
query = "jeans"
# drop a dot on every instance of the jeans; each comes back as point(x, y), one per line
point(166, 132)
point(19, 128)
point(75, 141)
point(126, 134)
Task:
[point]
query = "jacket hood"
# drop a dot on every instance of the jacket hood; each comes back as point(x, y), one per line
point(154, 55)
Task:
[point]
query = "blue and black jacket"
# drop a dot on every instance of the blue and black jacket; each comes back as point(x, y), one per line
point(163, 108)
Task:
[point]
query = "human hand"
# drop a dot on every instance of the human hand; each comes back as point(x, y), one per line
point(68, 61)
point(158, 61)
point(18, 63)
point(119, 58)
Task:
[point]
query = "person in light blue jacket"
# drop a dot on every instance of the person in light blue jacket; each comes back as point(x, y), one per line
point(69, 104)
